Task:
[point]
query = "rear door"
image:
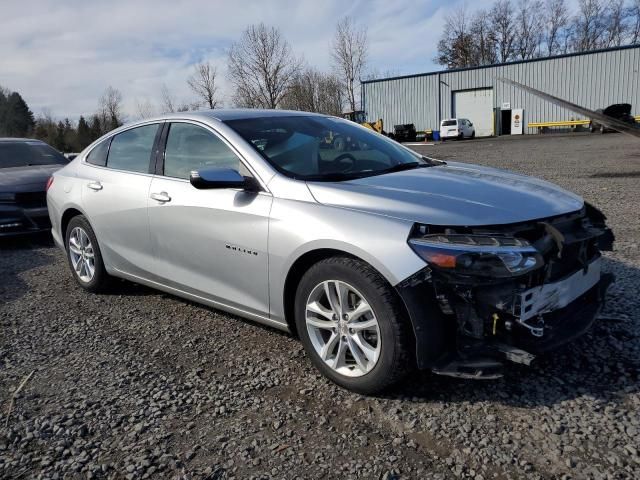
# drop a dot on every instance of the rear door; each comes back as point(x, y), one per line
point(116, 176)
point(209, 243)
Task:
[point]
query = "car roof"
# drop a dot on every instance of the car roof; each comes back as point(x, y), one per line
point(220, 115)
point(239, 113)
point(20, 140)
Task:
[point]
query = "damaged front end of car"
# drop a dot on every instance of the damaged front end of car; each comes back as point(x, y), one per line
point(505, 292)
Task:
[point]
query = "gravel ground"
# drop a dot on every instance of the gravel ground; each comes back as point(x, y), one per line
point(139, 384)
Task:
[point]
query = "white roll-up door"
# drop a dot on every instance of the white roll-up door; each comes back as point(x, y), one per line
point(477, 106)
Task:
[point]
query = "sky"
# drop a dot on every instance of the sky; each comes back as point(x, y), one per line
point(61, 55)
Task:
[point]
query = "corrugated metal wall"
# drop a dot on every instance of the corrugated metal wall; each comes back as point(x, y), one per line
point(592, 80)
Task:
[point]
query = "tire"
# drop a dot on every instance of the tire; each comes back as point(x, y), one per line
point(473, 135)
point(390, 338)
point(78, 233)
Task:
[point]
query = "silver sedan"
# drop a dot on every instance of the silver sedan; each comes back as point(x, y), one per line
point(380, 260)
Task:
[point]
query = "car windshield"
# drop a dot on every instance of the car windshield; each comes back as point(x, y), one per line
point(24, 154)
point(324, 148)
point(449, 123)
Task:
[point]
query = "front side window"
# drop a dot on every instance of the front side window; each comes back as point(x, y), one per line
point(323, 148)
point(190, 147)
point(131, 150)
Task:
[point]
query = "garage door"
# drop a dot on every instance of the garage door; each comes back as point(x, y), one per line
point(477, 106)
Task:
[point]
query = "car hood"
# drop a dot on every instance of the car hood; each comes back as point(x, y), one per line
point(20, 179)
point(454, 194)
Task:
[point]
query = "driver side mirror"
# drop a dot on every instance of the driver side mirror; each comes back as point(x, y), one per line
point(210, 178)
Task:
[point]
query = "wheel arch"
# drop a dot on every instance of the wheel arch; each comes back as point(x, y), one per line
point(301, 265)
point(68, 214)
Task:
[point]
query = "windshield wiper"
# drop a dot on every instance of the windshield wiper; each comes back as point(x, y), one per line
point(333, 177)
point(404, 166)
point(433, 162)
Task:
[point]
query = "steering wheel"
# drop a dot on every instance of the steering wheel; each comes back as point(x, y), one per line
point(344, 162)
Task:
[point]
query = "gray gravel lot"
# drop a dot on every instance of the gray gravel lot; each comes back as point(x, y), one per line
point(139, 384)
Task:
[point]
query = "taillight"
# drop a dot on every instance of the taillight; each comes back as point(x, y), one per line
point(49, 183)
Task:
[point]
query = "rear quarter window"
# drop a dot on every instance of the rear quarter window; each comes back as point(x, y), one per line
point(98, 156)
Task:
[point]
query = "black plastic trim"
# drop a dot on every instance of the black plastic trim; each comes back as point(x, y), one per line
point(427, 320)
point(157, 166)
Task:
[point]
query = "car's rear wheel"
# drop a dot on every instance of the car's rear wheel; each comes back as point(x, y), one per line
point(85, 258)
point(352, 325)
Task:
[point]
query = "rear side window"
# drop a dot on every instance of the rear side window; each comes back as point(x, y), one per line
point(131, 150)
point(190, 147)
point(98, 156)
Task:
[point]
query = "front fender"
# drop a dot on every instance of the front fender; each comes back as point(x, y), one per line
point(297, 228)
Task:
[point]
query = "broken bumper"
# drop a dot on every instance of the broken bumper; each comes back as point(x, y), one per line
point(504, 338)
point(469, 326)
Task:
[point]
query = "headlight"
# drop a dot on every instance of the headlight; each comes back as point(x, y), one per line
point(7, 197)
point(480, 255)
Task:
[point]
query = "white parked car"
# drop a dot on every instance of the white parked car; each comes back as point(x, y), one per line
point(456, 128)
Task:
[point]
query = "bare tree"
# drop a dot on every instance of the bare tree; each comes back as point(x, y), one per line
point(589, 25)
point(169, 104)
point(455, 48)
point(375, 74)
point(484, 39)
point(203, 84)
point(167, 101)
point(529, 29)
point(557, 20)
point(110, 109)
point(615, 24)
point(503, 26)
point(261, 67)
point(145, 109)
point(314, 91)
point(349, 54)
point(634, 18)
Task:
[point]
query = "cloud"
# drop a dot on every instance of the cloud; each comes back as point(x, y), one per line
point(62, 55)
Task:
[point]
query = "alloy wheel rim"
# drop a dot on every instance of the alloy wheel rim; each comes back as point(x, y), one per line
point(343, 328)
point(82, 255)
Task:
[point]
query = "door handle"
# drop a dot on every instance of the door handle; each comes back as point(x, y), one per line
point(95, 186)
point(161, 197)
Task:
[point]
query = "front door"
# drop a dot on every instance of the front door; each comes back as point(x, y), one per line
point(209, 243)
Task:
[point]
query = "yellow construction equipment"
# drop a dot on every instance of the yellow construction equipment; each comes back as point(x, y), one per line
point(358, 116)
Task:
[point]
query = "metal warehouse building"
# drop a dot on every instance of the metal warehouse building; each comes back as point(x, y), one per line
point(591, 79)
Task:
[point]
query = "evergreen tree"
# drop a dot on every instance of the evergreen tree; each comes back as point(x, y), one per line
point(18, 119)
point(96, 127)
point(58, 142)
point(84, 135)
point(3, 112)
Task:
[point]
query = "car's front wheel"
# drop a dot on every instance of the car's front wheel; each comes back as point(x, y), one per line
point(85, 258)
point(352, 325)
